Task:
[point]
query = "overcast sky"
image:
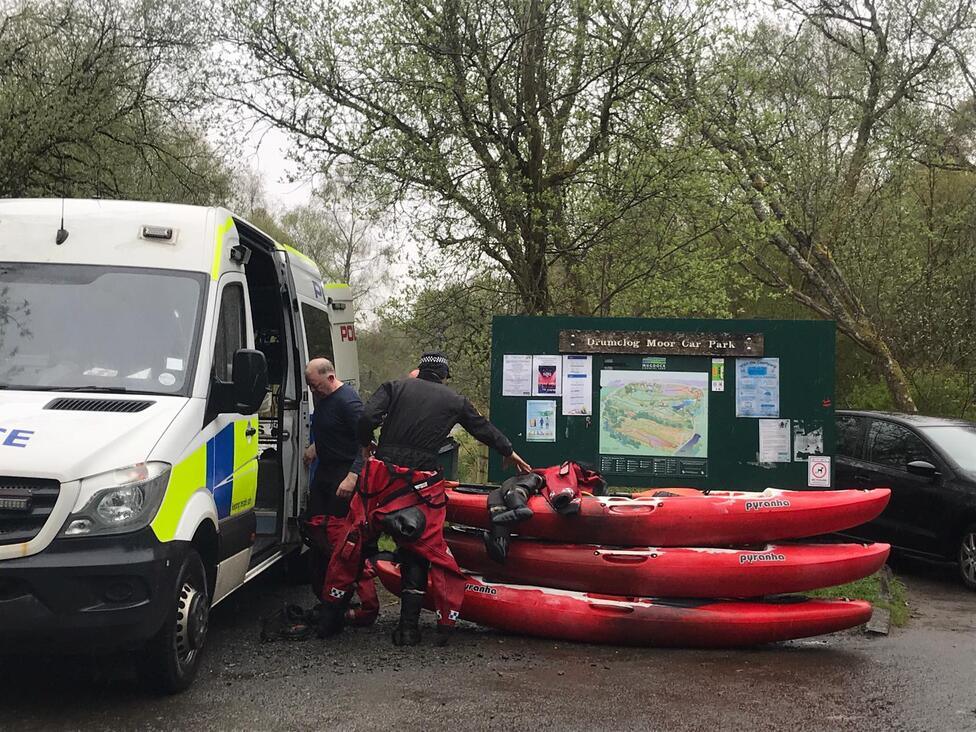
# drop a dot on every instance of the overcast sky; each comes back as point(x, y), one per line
point(268, 157)
point(269, 160)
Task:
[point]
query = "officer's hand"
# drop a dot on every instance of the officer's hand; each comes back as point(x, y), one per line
point(309, 455)
point(347, 486)
point(516, 460)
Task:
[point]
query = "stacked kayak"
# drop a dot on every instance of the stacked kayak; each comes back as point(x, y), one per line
point(684, 516)
point(611, 619)
point(670, 571)
point(667, 567)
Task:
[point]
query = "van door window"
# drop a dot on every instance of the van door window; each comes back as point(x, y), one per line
point(230, 332)
point(318, 332)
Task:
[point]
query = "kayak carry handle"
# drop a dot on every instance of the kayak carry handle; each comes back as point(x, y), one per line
point(627, 559)
point(632, 509)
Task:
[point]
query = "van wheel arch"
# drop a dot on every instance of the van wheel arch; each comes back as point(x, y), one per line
point(207, 543)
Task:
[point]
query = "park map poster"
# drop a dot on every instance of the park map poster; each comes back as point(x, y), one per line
point(654, 413)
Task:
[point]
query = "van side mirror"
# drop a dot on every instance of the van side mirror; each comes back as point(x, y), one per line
point(250, 380)
point(923, 468)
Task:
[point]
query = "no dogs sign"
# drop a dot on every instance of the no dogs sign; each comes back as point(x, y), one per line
point(818, 471)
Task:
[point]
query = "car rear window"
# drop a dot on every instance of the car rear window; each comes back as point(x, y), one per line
point(958, 442)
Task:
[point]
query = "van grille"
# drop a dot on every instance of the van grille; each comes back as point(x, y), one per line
point(73, 404)
point(38, 497)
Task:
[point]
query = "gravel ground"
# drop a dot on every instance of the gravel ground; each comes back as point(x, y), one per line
point(918, 678)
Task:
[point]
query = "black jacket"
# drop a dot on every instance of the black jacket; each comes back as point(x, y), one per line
point(417, 415)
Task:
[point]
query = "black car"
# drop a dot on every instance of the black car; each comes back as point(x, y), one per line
point(930, 465)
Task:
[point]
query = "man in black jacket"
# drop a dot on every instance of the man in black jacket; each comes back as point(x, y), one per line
point(417, 415)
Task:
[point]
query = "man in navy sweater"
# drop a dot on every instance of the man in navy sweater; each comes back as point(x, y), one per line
point(337, 411)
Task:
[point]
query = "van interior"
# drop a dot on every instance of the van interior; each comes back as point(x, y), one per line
point(278, 417)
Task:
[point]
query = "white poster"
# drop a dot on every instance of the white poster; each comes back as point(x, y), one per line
point(818, 471)
point(540, 421)
point(577, 385)
point(774, 441)
point(757, 387)
point(547, 375)
point(517, 375)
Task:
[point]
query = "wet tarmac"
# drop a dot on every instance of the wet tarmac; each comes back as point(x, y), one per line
point(922, 677)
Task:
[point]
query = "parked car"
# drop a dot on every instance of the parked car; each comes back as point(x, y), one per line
point(930, 465)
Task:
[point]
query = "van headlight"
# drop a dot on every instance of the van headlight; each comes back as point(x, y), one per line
point(121, 500)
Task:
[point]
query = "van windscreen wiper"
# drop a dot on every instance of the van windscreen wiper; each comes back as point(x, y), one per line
point(98, 389)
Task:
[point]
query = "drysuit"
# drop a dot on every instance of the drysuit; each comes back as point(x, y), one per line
point(561, 485)
point(409, 506)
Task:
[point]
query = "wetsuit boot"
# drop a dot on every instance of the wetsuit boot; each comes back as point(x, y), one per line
point(444, 633)
point(407, 632)
point(332, 618)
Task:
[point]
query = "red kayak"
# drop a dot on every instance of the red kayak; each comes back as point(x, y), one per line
point(671, 572)
point(592, 618)
point(684, 516)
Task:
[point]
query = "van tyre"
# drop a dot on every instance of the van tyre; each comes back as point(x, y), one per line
point(171, 658)
point(967, 557)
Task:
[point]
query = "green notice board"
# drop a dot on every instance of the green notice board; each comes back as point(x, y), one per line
point(721, 404)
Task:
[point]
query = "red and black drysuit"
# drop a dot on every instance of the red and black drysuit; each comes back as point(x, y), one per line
point(401, 490)
point(561, 485)
point(408, 505)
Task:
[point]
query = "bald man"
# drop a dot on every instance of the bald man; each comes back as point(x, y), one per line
point(337, 412)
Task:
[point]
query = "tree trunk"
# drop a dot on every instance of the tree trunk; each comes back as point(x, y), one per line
point(891, 370)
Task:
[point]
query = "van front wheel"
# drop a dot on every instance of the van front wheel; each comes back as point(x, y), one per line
point(170, 660)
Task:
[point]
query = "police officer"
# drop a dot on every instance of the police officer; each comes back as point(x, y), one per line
point(417, 415)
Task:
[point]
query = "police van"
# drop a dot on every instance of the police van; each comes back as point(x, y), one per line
point(153, 413)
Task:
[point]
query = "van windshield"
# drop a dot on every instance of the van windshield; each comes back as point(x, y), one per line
point(97, 328)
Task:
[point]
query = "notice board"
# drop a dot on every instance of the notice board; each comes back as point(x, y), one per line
point(719, 404)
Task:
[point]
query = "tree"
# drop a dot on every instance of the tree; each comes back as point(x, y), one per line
point(97, 99)
point(499, 117)
point(339, 230)
point(817, 127)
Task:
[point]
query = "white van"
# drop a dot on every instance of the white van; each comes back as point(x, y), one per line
point(153, 413)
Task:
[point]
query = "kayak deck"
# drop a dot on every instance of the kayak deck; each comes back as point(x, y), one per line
point(596, 618)
point(670, 571)
point(689, 519)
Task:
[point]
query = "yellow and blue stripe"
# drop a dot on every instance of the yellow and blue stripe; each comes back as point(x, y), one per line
point(226, 466)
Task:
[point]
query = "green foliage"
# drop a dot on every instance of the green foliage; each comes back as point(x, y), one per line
point(450, 310)
point(472, 459)
point(616, 157)
point(520, 133)
point(97, 98)
point(870, 589)
point(386, 353)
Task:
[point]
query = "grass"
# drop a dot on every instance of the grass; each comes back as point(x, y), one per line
point(869, 589)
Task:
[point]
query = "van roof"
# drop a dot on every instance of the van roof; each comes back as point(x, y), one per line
point(110, 233)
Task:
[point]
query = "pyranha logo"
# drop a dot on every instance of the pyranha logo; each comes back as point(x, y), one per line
point(481, 589)
point(753, 558)
point(767, 503)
